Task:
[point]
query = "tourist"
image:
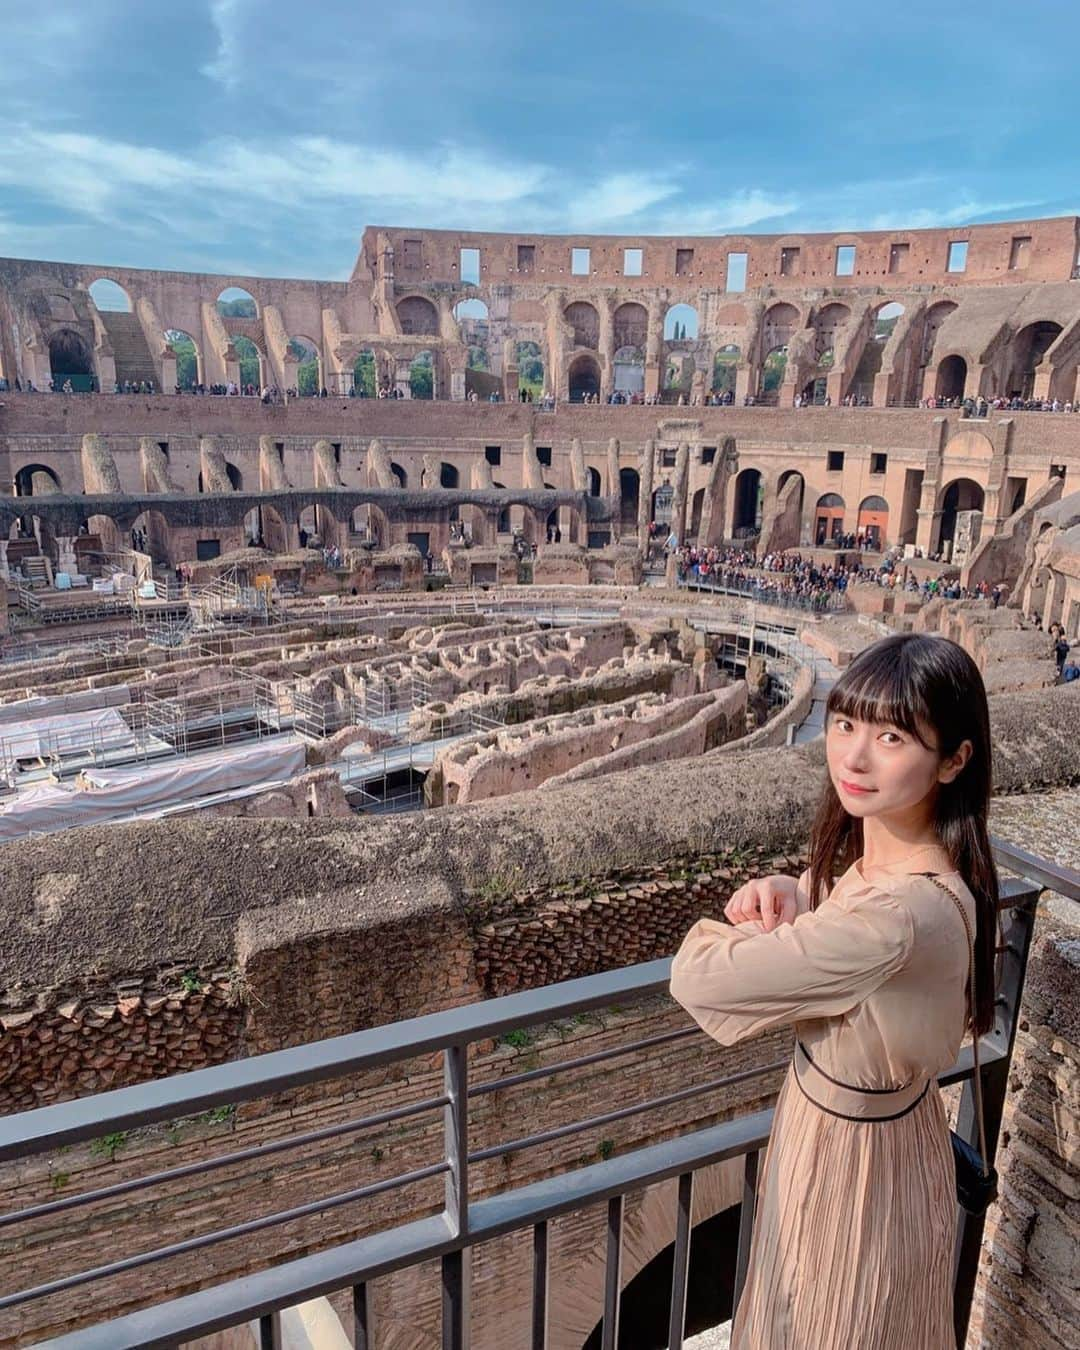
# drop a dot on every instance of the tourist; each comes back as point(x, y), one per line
point(873, 973)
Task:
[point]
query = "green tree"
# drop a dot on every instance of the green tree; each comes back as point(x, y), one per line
point(187, 365)
point(422, 377)
point(249, 360)
point(364, 374)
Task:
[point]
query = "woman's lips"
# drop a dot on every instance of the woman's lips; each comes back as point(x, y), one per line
point(855, 790)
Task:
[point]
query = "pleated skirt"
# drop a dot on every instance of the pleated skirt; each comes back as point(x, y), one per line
point(853, 1237)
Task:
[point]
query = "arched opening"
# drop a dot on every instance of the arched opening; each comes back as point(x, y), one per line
point(422, 376)
point(400, 474)
point(369, 525)
point(585, 322)
point(828, 518)
point(679, 369)
point(30, 537)
point(317, 527)
point(645, 1302)
point(1028, 349)
point(265, 528)
point(725, 370)
point(251, 363)
point(881, 330)
point(584, 377)
point(36, 480)
point(629, 496)
point(827, 322)
point(449, 476)
point(681, 323)
point(951, 378)
point(748, 499)
point(472, 319)
point(417, 315)
point(789, 474)
point(961, 496)
point(530, 365)
point(503, 525)
point(236, 303)
point(109, 296)
point(872, 522)
point(594, 480)
point(630, 326)
point(779, 326)
point(629, 368)
point(365, 382)
point(149, 534)
point(186, 353)
point(308, 375)
point(70, 361)
point(236, 478)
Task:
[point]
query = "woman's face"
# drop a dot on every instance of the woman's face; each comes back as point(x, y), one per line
point(881, 770)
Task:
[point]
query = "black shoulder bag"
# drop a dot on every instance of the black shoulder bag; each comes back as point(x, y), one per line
point(976, 1183)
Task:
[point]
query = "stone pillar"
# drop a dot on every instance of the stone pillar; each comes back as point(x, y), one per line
point(645, 491)
point(743, 374)
point(168, 371)
point(607, 350)
point(678, 503)
point(65, 554)
point(5, 574)
point(402, 366)
point(579, 478)
point(654, 347)
point(613, 466)
point(532, 476)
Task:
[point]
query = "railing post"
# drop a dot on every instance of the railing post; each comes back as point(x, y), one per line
point(455, 1273)
point(746, 1226)
point(681, 1266)
point(270, 1331)
point(609, 1337)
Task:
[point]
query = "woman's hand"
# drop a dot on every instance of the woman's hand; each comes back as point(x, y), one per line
point(770, 901)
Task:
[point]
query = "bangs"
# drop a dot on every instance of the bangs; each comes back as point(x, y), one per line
point(880, 687)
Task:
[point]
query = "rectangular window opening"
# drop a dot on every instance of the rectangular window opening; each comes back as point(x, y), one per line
point(708, 454)
point(845, 260)
point(684, 261)
point(543, 454)
point(163, 446)
point(878, 462)
point(957, 256)
point(736, 272)
point(493, 454)
point(836, 461)
point(469, 266)
point(526, 257)
point(789, 262)
point(580, 261)
point(667, 458)
point(1019, 252)
point(898, 258)
point(631, 262)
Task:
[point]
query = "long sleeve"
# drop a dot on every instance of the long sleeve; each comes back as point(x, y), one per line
point(736, 983)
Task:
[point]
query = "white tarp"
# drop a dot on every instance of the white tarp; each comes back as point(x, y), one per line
point(27, 709)
point(105, 794)
point(65, 733)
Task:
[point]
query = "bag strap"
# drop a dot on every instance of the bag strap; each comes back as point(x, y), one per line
point(977, 1079)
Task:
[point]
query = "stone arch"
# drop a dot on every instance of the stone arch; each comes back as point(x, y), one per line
point(883, 321)
point(252, 361)
point(449, 476)
point(828, 518)
point(958, 495)
point(594, 480)
point(472, 309)
point(747, 500)
point(584, 319)
point(109, 296)
point(422, 376)
point(968, 445)
point(630, 325)
point(935, 317)
point(236, 478)
point(681, 323)
point(502, 525)
point(185, 350)
point(873, 521)
point(789, 474)
point(266, 526)
point(951, 377)
point(779, 326)
point(417, 316)
point(70, 360)
point(629, 496)
point(1026, 352)
point(39, 529)
point(583, 378)
point(400, 474)
point(827, 323)
point(697, 506)
point(725, 369)
point(155, 528)
point(236, 303)
point(25, 485)
point(307, 377)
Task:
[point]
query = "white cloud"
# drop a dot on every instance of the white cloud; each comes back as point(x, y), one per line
point(226, 20)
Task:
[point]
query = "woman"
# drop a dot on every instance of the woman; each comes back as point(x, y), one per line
point(853, 1238)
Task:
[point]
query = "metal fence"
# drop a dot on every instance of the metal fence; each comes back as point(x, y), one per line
point(830, 603)
point(465, 1220)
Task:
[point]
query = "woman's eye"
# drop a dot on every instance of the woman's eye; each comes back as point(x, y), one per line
point(890, 738)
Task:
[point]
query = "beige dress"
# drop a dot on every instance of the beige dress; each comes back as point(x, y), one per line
point(853, 1238)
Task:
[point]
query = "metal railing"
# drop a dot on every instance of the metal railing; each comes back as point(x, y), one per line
point(831, 602)
point(466, 1220)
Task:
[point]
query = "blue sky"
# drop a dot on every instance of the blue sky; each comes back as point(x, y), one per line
point(254, 136)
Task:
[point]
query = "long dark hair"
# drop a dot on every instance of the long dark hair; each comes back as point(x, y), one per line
point(918, 683)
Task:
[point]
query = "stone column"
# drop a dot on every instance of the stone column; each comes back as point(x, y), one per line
point(5, 574)
point(579, 478)
point(645, 491)
point(682, 481)
point(654, 347)
point(402, 366)
point(607, 350)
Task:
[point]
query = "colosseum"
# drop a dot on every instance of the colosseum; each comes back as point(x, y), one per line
point(392, 669)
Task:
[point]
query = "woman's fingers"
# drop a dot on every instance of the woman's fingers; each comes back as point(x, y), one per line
point(771, 900)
